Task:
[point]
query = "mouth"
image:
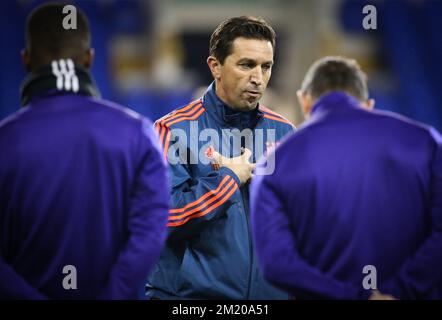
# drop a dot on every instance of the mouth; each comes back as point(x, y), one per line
point(253, 93)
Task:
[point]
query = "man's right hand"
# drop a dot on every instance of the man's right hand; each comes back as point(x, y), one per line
point(240, 165)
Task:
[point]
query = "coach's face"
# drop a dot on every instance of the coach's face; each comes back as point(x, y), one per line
point(242, 79)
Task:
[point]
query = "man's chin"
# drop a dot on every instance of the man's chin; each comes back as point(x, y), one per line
point(249, 105)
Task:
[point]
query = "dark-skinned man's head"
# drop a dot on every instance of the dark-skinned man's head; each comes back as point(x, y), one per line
point(48, 40)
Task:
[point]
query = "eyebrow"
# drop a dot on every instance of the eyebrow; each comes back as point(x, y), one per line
point(248, 60)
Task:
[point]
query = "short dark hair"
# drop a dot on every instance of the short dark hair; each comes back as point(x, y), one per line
point(245, 26)
point(46, 39)
point(335, 73)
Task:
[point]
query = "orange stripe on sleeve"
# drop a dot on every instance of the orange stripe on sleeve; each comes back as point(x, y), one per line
point(214, 206)
point(204, 196)
point(204, 204)
point(166, 144)
point(163, 131)
point(157, 128)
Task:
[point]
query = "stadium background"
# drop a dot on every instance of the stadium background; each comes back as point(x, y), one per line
point(151, 55)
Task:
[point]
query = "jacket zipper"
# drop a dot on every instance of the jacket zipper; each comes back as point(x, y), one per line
point(245, 202)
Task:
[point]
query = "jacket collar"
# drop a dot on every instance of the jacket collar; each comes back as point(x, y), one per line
point(60, 76)
point(226, 115)
point(334, 101)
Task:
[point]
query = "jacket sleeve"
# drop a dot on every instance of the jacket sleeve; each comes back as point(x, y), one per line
point(13, 286)
point(423, 270)
point(195, 200)
point(277, 251)
point(288, 129)
point(146, 223)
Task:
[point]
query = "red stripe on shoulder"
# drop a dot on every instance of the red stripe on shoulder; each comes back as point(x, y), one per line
point(189, 112)
point(187, 109)
point(183, 117)
point(267, 110)
point(270, 114)
point(278, 119)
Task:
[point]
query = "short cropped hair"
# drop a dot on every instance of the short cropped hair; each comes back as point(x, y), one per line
point(47, 39)
point(230, 29)
point(335, 73)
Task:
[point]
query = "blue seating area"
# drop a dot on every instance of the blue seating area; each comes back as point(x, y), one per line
point(408, 33)
point(410, 38)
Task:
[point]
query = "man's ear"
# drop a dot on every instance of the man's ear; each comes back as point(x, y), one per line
point(214, 66)
point(89, 58)
point(26, 59)
point(369, 104)
point(306, 103)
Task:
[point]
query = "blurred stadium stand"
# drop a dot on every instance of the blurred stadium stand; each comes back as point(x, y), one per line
point(409, 33)
point(150, 55)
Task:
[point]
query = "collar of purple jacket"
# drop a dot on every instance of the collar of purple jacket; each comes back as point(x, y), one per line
point(333, 101)
point(59, 77)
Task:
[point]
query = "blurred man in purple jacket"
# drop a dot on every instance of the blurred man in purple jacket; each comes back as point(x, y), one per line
point(354, 207)
point(83, 191)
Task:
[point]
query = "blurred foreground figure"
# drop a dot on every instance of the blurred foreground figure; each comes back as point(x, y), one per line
point(355, 202)
point(83, 191)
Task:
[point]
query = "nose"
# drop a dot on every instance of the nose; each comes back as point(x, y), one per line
point(256, 76)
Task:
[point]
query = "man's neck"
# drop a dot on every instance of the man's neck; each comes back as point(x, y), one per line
point(230, 107)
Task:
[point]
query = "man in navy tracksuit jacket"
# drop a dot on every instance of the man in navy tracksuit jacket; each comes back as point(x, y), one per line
point(209, 253)
point(355, 202)
point(83, 191)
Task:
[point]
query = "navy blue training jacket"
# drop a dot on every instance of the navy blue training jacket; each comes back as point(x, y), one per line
point(209, 253)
